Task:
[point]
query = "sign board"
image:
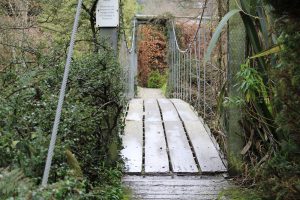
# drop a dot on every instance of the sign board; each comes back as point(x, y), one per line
point(107, 13)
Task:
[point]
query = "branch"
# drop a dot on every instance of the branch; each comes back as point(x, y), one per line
point(85, 8)
point(18, 28)
point(31, 51)
point(18, 90)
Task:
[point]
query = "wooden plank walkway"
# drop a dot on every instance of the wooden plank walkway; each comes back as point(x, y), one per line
point(156, 157)
point(167, 136)
point(177, 187)
point(133, 146)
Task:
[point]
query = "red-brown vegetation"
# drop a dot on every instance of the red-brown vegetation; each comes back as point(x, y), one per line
point(152, 52)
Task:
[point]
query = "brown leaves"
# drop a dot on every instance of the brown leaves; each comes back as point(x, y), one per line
point(152, 52)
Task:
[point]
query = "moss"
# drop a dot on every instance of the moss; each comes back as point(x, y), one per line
point(127, 193)
point(235, 164)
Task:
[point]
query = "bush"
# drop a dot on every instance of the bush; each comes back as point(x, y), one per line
point(89, 124)
point(156, 80)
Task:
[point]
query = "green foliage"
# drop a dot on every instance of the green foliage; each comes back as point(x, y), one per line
point(164, 89)
point(68, 188)
point(89, 123)
point(14, 184)
point(240, 194)
point(268, 86)
point(281, 174)
point(74, 164)
point(287, 74)
point(217, 33)
point(156, 79)
point(129, 9)
point(251, 83)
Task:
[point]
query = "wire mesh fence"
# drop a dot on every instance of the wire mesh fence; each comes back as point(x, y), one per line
point(190, 78)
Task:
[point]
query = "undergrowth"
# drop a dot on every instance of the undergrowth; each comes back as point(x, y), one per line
point(156, 79)
point(268, 88)
point(86, 161)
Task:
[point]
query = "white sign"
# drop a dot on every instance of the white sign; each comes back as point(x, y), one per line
point(107, 13)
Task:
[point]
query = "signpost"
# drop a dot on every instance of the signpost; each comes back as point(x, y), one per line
point(107, 13)
point(107, 19)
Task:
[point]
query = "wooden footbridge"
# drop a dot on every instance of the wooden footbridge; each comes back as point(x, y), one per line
point(169, 152)
point(167, 136)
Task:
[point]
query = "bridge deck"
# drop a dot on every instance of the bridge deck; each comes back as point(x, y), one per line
point(175, 187)
point(165, 136)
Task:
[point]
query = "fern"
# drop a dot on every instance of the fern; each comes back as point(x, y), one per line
point(14, 184)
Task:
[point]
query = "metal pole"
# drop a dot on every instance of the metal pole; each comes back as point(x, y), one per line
point(196, 71)
point(190, 90)
point(199, 69)
point(174, 72)
point(171, 72)
point(204, 80)
point(184, 77)
point(179, 74)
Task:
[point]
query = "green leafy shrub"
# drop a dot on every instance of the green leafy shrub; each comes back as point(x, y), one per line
point(156, 79)
point(89, 124)
point(14, 184)
point(68, 188)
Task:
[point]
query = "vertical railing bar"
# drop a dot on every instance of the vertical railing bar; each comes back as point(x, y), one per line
point(190, 76)
point(175, 73)
point(199, 69)
point(204, 79)
point(179, 74)
point(184, 77)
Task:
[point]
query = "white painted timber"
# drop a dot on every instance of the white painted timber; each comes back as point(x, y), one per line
point(206, 152)
point(133, 146)
point(135, 111)
point(177, 187)
point(168, 110)
point(156, 157)
point(185, 111)
point(152, 112)
point(180, 152)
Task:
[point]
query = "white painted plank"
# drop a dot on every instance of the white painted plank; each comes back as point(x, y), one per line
point(133, 146)
point(206, 180)
point(152, 112)
point(168, 110)
point(156, 157)
point(177, 187)
point(135, 111)
point(185, 110)
point(206, 153)
point(176, 197)
point(180, 152)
